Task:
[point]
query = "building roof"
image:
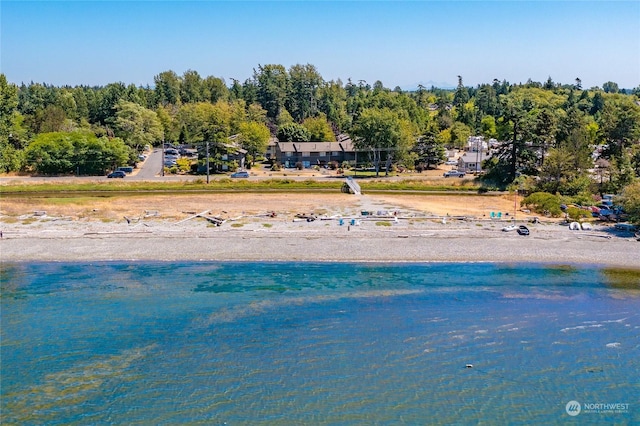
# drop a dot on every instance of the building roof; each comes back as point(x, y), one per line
point(345, 145)
point(474, 157)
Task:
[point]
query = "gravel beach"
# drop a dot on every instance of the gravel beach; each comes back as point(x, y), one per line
point(264, 238)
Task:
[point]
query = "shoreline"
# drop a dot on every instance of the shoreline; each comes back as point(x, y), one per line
point(467, 242)
point(273, 227)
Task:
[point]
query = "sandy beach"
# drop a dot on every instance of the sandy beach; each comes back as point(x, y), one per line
point(267, 227)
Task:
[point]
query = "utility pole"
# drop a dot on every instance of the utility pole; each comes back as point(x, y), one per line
point(207, 161)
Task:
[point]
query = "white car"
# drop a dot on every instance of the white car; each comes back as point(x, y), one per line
point(451, 163)
point(509, 228)
point(453, 173)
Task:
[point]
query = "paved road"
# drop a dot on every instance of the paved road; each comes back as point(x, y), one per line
point(151, 167)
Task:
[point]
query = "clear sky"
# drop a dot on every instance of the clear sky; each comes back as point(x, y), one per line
point(400, 43)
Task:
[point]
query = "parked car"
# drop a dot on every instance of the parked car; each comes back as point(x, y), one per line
point(126, 169)
point(509, 228)
point(451, 163)
point(523, 230)
point(454, 173)
point(240, 174)
point(117, 174)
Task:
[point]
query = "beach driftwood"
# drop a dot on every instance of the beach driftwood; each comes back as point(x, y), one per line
point(215, 220)
point(193, 217)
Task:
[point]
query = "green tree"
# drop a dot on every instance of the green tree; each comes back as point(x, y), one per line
point(8, 105)
point(137, 125)
point(255, 138)
point(105, 102)
point(610, 87)
point(256, 113)
point(460, 134)
point(236, 92)
point(302, 98)
point(95, 156)
point(544, 131)
point(53, 119)
point(167, 88)
point(543, 203)
point(166, 116)
point(619, 124)
point(380, 132)
point(50, 153)
point(559, 174)
point(10, 121)
point(621, 174)
point(214, 90)
point(488, 127)
point(192, 87)
point(272, 84)
point(75, 152)
point(293, 132)
point(461, 96)
point(319, 129)
point(631, 201)
point(209, 125)
point(515, 156)
point(332, 101)
point(430, 150)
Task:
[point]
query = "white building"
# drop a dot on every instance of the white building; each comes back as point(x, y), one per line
point(471, 162)
point(476, 143)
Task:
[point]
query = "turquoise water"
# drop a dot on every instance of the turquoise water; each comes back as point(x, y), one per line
point(316, 343)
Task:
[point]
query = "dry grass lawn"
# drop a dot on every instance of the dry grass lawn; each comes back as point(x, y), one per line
point(230, 205)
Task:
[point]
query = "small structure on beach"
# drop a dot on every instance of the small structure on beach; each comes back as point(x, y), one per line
point(350, 186)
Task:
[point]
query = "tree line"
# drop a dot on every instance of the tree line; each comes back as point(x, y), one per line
point(548, 131)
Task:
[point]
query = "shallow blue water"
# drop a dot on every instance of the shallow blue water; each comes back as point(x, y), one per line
point(315, 343)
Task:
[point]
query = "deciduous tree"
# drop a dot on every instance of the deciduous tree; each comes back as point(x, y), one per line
point(379, 132)
point(255, 137)
point(319, 129)
point(137, 125)
point(293, 132)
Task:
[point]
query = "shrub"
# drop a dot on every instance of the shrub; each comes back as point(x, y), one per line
point(543, 203)
point(577, 213)
point(184, 164)
point(299, 165)
point(631, 202)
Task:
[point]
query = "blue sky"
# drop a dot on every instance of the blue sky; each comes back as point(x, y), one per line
point(400, 43)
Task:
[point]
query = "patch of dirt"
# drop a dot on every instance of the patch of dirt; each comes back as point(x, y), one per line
point(236, 204)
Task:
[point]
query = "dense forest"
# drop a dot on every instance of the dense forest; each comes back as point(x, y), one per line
point(553, 137)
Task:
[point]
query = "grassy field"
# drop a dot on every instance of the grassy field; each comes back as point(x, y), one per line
point(226, 185)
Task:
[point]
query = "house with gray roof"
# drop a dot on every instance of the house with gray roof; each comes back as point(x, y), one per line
point(471, 162)
point(311, 154)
